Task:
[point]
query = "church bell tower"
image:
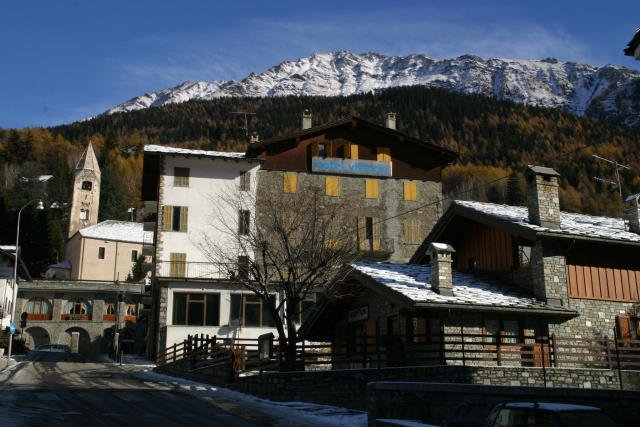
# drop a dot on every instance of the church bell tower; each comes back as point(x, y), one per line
point(86, 192)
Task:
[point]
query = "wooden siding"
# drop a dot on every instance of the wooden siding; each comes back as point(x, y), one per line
point(410, 161)
point(491, 248)
point(603, 283)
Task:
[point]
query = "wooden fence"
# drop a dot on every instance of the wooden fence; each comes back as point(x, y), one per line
point(198, 352)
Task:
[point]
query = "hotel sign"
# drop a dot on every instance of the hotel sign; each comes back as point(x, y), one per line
point(357, 314)
point(335, 165)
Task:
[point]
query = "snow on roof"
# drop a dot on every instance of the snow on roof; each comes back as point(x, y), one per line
point(123, 231)
point(552, 406)
point(570, 223)
point(64, 265)
point(413, 281)
point(190, 152)
point(8, 248)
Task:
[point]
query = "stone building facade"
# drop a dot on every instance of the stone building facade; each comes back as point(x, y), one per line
point(53, 310)
point(85, 199)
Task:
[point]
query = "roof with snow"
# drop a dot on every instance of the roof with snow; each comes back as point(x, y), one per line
point(190, 152)
point(122, 231)
point(412, 281)
point(633, 44)
point(571, 224)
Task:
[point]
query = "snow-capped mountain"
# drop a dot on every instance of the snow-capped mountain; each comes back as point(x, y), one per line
point(609, 93)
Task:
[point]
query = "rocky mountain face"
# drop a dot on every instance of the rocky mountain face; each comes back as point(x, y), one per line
point(607, 93)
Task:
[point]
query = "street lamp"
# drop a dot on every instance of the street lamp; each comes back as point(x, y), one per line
point(39, 207)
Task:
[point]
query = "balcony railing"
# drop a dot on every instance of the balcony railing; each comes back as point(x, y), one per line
point(39, 316)
point(75, 317)
point(196, 270)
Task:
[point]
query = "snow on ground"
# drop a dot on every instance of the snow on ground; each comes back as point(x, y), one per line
point(286, 413)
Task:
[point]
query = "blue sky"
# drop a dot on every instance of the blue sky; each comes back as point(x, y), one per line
point(62, 60)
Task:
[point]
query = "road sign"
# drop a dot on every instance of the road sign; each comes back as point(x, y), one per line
point(12, 328)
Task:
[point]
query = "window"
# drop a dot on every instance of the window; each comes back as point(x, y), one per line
point(77, 309)
point(351, 151)
point(249, 310)
point(290, 182)
point(38, 309)
point(87, 185)
point(332, 186)
point(84, 214)
point(507, 331)
point(178, 264)
point(524, 255)
point(410, 191)
point(323, 150)
point(371, 188)
point(101, 252)
point(180, 177)
point(134, 255)
point(383, 154)
point(175, 218)
point(244, 222)
point(196, 309)
point(627, 328)
point(369, 233)
point(304, 308)
point(245, 181)
point(412, 234)
point(243, 267)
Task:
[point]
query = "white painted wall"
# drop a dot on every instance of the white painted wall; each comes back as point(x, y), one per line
point(6, 296)
point(211, 180)
point(177, 333)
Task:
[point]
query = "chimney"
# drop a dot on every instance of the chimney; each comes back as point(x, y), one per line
point(441, 275)
point(543, 201)
point(632, 212)
point(391, 121)
point(306, 119)
point(254, 138)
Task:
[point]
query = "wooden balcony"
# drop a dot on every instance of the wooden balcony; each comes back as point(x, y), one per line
point(131, 319)
point(39, 316)
point(108, 317)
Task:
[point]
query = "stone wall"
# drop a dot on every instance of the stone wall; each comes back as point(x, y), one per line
point(389, 204)
point(468, 405)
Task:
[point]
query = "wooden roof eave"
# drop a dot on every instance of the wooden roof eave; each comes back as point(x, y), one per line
point(551, 312)
point(566, 236)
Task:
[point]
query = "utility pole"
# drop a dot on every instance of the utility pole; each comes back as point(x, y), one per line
point(246, 121)
point(617, 167)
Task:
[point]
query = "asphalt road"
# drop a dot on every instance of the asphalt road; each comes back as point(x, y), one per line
point(56, 390)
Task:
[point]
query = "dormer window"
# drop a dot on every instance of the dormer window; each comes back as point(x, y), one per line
point(86, 185)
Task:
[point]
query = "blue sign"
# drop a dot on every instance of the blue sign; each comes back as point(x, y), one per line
point(350, 166)
point(12, 328)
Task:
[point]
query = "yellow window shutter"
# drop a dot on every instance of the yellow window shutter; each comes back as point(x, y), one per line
point(410, 191)
point(167, 218)
point(371, 188)
point(290, 182)
point(384, 154)
point(354, 151)
point(347, 151)
point(376, 234)
point(178, 264)
point(184, 214)
point(332, 185)
point(363, 243)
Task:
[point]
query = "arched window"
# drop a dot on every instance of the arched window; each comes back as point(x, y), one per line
point(77, 309)
point(130, 313)
point(86, 185)
point(38, 309)
point(109, 312)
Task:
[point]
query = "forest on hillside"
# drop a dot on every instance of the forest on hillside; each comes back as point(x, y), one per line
point(496, 140)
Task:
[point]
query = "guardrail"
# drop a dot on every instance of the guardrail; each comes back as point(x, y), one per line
point(195, 270)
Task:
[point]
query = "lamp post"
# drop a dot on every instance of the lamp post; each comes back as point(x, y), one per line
point(15, 269)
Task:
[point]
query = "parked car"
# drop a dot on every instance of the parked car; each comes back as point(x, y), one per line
point(53, 348)
point(547, 414)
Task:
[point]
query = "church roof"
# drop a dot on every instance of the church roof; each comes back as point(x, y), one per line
point(88, 160)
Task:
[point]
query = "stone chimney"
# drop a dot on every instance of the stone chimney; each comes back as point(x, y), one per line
point(391, 121)
point(543, 200)
point(632, 211)
point(441, 275)
point(306, 119)
point(254, 138)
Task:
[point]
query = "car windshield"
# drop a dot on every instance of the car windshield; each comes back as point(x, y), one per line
point(586, 419)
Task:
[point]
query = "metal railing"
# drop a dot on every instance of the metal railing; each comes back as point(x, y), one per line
point(195, 270)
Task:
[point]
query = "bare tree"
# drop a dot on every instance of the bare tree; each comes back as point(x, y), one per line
point(285, 248)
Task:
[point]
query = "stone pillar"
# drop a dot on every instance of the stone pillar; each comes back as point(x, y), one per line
point(75, 342)
point(161, 341)
point(543, 200)
point(441, 274)
point(549, 273)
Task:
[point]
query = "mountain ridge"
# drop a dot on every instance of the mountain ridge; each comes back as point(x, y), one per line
point(610, 93)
